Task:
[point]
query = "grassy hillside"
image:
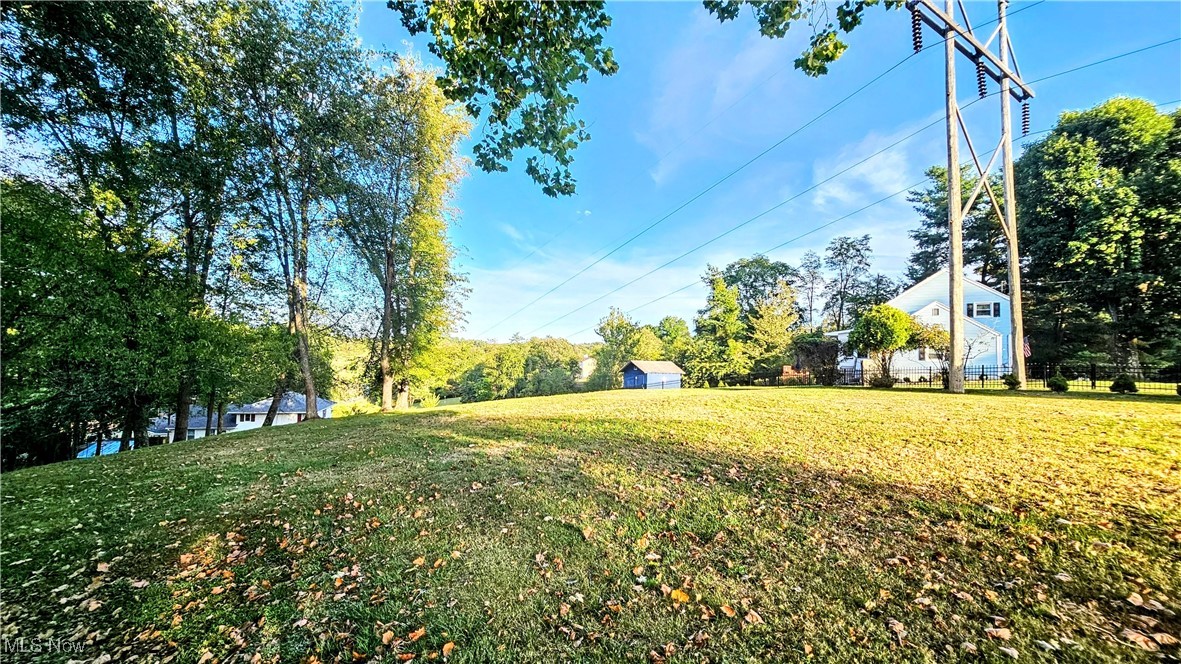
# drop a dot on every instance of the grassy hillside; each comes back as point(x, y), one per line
point(723, 525)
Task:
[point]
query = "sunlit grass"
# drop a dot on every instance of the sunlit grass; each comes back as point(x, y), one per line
point(728, 525)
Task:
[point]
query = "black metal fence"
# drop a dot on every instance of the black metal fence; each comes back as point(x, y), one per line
point(1079, 377)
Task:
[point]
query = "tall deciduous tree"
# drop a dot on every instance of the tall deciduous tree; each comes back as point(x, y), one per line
point(848, 260)
point(758, 280)
point(396, 180)
point(297, 72)
point(810, 281)
point(1097, 217)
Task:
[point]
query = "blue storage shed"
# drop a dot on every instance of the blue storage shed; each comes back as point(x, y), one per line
point(651, 375)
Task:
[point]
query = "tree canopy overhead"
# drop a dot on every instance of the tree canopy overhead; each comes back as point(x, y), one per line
point(513, 64)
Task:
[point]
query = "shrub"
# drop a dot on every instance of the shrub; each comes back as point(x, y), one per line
point(1123, 384)
point(1057, 383)
point(882, 381)
point(1011, 381)
point(818, 354)
point(428, 400)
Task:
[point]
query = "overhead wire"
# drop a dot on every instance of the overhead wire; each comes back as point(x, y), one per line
point(717, 183)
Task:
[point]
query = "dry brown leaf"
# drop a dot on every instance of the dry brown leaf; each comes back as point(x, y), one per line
point(679, 595)
point(387, 637)
point(418, 634)
point(1139, 639)
point(103, 567)
point(448, 648)
point(419, 561)
point(1001, 633)
point(1165, 639)
point(217, 590)
point(753, 617)
point(729, 611)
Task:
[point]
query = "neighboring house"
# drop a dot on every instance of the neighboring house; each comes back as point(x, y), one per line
point(987, 328)
point(292, 409)
point(238, 417)
point(651, 375)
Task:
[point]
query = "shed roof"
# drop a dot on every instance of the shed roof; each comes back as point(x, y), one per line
point(654, 366)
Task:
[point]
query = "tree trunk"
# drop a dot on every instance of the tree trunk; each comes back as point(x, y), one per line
point(126, 433)
point(141, 430)
point(184, 397)
point(209, 413)
point(274, 408)
point(403, 402)
point(387, 387)
point(221, 416)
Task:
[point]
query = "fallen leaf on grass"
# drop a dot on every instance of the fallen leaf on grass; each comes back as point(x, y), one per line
point(1139, 639)
point(1165, 639)
point(679, 595)
point(1135, 599)
point(1010, 652)
point(448, 648)
point(999, 633)
point(729, 611)
point(387, 637)
point(103, 567)
point(418, 634)
point(419, 561)
point(753, 617)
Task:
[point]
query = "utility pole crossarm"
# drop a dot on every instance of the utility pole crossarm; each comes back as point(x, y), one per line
point(971, 47)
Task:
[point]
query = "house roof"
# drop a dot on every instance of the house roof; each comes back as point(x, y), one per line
point(942, 274)
point(197, 420)
point(292, 402)
point(654, 366)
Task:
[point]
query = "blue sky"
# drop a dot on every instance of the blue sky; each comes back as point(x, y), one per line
point(695, 99)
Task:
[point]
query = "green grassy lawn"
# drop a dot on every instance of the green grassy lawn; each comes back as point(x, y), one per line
point(721, 525)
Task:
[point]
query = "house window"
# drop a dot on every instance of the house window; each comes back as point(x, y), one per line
point(301, 417)
point(935, 311)
point(984, 310)
point(246, 417)
point(923, 353)
point(192, 434)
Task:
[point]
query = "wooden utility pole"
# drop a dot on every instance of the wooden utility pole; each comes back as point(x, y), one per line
point(1017, 347)
point(955, 223)
point(997, 67)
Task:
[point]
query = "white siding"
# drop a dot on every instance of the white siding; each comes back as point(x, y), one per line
point(934, 289)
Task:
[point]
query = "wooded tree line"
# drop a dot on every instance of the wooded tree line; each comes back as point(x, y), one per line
point(759, 315)
point(188, 180)
point(1099, 228)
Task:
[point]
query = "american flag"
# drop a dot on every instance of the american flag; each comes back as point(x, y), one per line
point(1025, 349)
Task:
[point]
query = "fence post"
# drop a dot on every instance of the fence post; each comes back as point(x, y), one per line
point(1092, 375)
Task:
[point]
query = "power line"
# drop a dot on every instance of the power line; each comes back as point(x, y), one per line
point(859, 210)
point(701, 193)
point(722, 180)
point(819, 184)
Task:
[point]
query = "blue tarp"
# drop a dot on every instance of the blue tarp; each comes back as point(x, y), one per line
point(109, 447)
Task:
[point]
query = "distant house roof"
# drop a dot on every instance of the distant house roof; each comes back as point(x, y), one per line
point(292, 402)
point(197, 420)
point(654, 366)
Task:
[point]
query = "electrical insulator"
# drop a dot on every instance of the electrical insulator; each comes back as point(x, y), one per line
point(1025, 118)
point(916, 30)
point(981, 83)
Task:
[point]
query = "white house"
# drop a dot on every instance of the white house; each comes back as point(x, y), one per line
point(292, 409)
point(987, 329)
point(238, 417)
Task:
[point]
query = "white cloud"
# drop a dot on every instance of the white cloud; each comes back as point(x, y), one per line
point(713, 67)
point(512, 232)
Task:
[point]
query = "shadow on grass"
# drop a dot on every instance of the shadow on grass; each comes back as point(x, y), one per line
point(551, 518)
